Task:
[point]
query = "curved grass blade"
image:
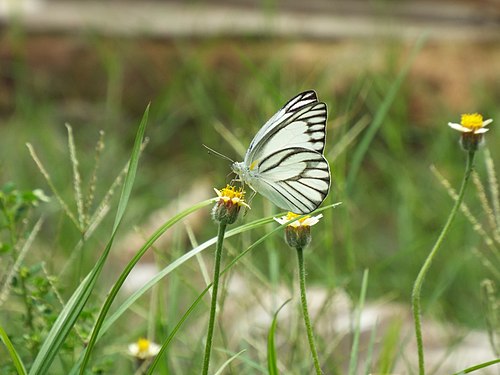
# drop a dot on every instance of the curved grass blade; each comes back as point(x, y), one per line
point(179, 324)
point(121, 279)
point(357, 329)
point(7, 281)
point(177, 263)
point(172, 266)
point(200, 297)
point(272, 359)
point(227, 268)
point(18, 363)
point(69, 314)
point(371, 346)
point(478, 367)
point(160, 275)
point(225, 364)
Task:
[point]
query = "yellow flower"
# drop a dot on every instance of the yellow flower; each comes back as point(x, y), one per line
point(472, 126)
point(143, 349)
point(471, 123)
point(228, 204)
point(229, 195)
point(306, 221)
point(298, 232)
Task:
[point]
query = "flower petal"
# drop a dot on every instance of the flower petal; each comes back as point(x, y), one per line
point(310, 221)
point(459, 127)
point(487, 122)
point(133, 349)
point(281, 220)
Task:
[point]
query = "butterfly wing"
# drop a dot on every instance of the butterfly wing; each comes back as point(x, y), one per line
point(284, 162)
point(300, 123)
point(295, 179)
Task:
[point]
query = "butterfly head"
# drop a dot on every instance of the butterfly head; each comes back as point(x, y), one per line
point(243, 172)
point(238, 168)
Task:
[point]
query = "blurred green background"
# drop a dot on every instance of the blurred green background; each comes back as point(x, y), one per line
point(217, 88)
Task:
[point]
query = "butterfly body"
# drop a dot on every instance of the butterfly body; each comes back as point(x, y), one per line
point(285, 161)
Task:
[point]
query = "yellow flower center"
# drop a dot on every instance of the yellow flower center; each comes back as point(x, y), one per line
point(143, 345)
point(290, 216)
point(472, 121)
point(230, 193)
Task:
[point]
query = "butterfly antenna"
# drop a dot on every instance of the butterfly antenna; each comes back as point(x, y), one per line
point(212, 151)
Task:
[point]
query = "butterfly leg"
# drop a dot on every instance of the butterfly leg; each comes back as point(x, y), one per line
point(252, 195)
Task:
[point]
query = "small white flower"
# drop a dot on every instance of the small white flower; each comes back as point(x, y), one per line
point(298, 232)
point(228, 204)
point(471, 123)
point(306, 221)
point(143, 349)
point(472, 128)
point(229, 195)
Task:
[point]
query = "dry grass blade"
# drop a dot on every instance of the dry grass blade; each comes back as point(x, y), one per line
point(90, 196)
point(77, 180)
point(485, 204)
point(104, 204)
point(91, 227)
point(351, 135)
point(4, 293)
point(487, 263)
point(493, 185)
point(47, 177)
point(466, 211)
point(230, 138)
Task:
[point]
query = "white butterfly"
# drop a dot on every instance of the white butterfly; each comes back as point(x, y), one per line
point(285, 161)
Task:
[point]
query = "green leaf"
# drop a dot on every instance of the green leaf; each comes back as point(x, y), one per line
point(227, 268)
point(122, 204)
point(357, 328)
point(123, 276)
point(160, 275)
point(177, 263)
point(478, 367)
point(225, 364)
point(5, 248)
point(13, 353)
point(272, 359)
point(193, 252)
point(68, 316)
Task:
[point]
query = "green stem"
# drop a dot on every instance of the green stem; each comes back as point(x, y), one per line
point(427, 264)
point(26, 299)
point(303, 300)
point(213, 305)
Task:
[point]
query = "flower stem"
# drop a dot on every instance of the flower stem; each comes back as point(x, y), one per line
point(427, 264)
point(305, 312)
point(213, 305)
